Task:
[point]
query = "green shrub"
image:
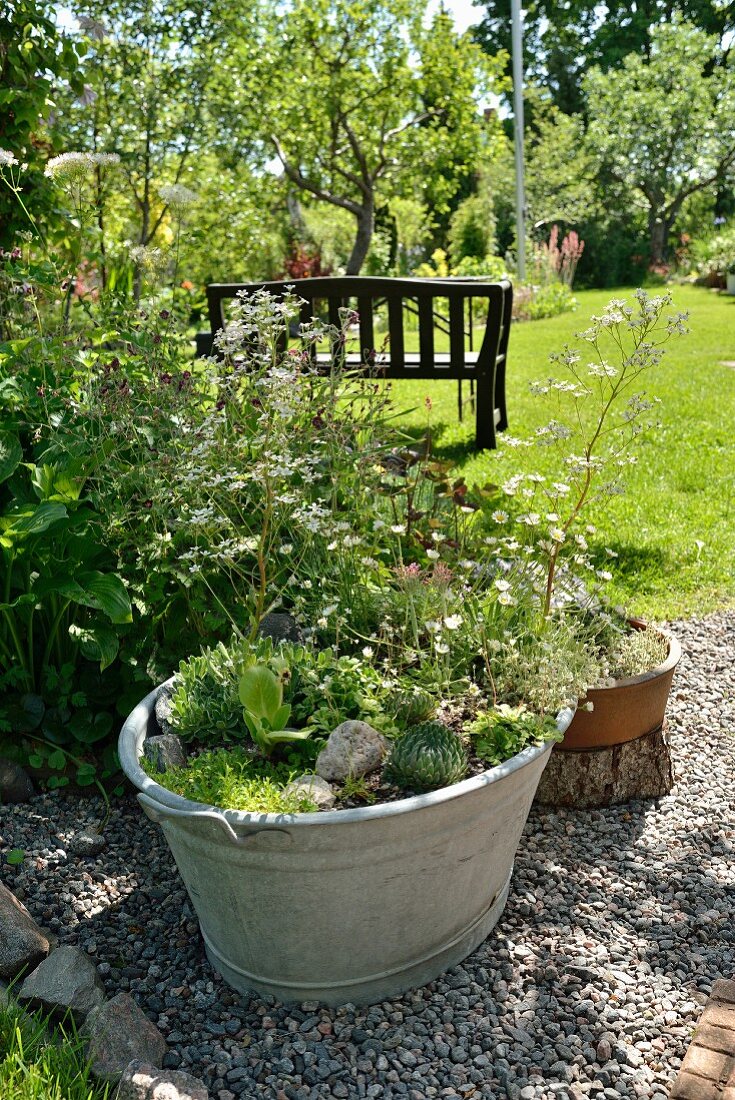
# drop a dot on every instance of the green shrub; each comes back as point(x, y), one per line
point(549, 301)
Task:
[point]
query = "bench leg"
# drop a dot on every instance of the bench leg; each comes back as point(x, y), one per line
point(459, 399)
point(500, 395)
point(484, 414)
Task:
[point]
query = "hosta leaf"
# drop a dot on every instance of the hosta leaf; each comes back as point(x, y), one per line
point(97, 643)
point(106, 592)
point(11, 453)
point(56, 483)
point(32, 520)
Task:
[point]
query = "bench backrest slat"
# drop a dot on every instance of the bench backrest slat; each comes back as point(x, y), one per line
point(396, 346)
point(456, 333)
point(427, 299)
point(426, 332)
point(367, 336)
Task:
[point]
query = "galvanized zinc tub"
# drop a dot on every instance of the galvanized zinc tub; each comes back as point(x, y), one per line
point(345, 905)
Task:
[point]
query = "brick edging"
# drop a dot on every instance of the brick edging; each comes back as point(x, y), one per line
point(708, 1070)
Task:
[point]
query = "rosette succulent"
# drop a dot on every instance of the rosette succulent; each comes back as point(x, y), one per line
point(427, 757)
point(412, 705)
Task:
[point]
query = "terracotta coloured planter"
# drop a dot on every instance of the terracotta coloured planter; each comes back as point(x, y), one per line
point(625, 711)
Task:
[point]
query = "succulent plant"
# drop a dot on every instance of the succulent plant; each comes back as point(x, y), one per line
point(412, 705)
point(428, 756)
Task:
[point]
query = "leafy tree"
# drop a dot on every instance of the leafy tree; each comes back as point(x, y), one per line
point(365, 104)
point(662, 127)
point(559, 174)
point(564, 38)
point(34, 59)
point(149, 69)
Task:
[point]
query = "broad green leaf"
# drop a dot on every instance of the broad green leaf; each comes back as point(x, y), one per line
point(53, 482)
point(260, 691)
point(88, 730)
point(281, 717)
point(86, 775)
point(11, 453)
point(57, 760)
point(97, 643)
point(55, 781)
point(32, 520)
point(279, 737)
point(15, 857)
point(106, 592)
point(25, 713)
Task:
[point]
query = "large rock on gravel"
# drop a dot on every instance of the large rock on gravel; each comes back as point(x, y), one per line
point(22, 943)
point(15, 784)
point(608, 776)
point(352, 749)
point(141, 1081)
point(119, 1033)
point(164, 752)
point(66, 981)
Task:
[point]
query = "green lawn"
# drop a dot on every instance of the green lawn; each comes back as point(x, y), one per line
point(674, 530)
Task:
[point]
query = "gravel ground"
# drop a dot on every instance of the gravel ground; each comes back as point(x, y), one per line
point(617, 925)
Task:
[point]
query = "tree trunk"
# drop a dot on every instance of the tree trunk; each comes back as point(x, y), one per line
point(363, 237)
point(658, 233)
point(609, 776)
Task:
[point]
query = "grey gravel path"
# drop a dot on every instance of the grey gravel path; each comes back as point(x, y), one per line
point(617, 925)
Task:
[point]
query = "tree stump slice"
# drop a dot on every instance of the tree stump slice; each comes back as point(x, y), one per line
point(609, 776)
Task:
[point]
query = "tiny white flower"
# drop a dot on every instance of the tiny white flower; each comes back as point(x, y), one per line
point(501, 585)
point(368, 651)
point(7, 160)
point(433, 554)
point(500, 516)
point(453, 622)
point(506, 599)
point(441, 647)
point(398, 528)
point(176, 195)
point(69, 167)
point(557, 534)
point(433, 626)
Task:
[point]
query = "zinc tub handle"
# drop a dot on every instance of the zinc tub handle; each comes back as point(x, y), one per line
point(158, 813)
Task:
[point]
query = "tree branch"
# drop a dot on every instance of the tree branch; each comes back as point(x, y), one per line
point(295, 175)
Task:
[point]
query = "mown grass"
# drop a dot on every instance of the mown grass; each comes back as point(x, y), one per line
point(39, 1063)
point(674, 529)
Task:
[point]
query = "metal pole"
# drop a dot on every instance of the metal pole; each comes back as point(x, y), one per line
point(517, 40)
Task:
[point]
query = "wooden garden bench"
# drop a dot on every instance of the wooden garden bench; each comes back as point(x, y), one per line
point(389, 311)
